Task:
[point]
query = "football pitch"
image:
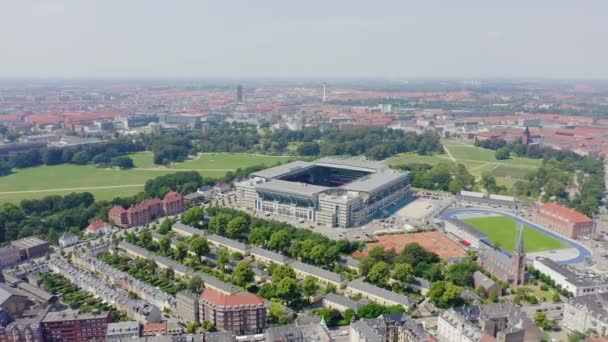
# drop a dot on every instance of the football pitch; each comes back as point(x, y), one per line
point(504, 230)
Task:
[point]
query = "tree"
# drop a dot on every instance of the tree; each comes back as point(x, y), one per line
point(365, 265)
point(277, 313)
point(193, 216)
point(181, 250)
point(145, 238)
point(279, 241)
point(540, 318)
point(445, 294)
point(310, 286)
point(461, 273)
point(493, 296)
point(379, 273)
point(288, 290)
point(556, 297)
point(280, 272)
point(164, 244)
point(308, 149)
point(371, 310)
point(502, 153)
point(243, 274)
point(218, 223)
point(404, 273)
point(199, 246)
point(455, 186)
point(165, 227)
point(122, 162)
point(208, 327)
point(259, 235)
point(223, 258)
point(195, 284)
point(192, 327)
point(237, 227)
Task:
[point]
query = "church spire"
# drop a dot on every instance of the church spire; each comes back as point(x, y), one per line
point(519, 248)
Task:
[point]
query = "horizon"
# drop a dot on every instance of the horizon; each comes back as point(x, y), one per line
point(68, 39)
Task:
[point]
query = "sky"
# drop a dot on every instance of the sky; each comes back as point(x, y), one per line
point(468, 39)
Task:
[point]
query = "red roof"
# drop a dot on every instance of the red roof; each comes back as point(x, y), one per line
point(220, 299)
point(97, 225)
point(116, 210)
point(567, 213)
point(162, 326)
point(172, 195)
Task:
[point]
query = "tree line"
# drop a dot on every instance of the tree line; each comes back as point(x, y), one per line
point(109, 153)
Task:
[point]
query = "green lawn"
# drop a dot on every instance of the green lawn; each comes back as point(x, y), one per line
point(42, 181)
point(503, 230)
point(477, 160)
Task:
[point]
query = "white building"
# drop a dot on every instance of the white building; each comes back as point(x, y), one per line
point(587, 312)
point(68, 239)
point(464, 232)
point(577, 283)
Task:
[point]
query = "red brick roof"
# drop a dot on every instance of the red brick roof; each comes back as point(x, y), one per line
point(220, 299)
point(567, 213)
point(172, 195)
point(97, 225)
point(116, 210)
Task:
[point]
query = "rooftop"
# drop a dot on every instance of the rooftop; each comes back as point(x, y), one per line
point(362, 286)
point(566, 214)
point(220, 299)
point(72, 315)
point(317, 271)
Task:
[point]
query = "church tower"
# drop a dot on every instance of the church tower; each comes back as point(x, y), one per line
point(526, 139)
point(518, 259)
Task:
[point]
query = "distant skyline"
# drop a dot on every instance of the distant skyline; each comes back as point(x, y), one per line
point(140, 39)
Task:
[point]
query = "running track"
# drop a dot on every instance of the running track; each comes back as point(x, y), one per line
point(583, 252)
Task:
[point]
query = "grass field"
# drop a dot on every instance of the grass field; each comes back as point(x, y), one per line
point(41, 181)
point(477, 161)
point(504, 230)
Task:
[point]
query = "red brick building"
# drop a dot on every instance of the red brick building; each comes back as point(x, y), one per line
point(242, 313)
point(154, 329)
point(562, 220)
point(147, 211)
point(70, 325)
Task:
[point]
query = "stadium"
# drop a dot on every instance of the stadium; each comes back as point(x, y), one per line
point(331, 191)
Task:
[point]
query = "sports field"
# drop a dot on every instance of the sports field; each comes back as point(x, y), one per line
point(504, 230)
point(477, 160)
point(41, 181)
point(431, 241)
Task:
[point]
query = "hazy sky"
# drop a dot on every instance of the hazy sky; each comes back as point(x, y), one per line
point(303, 38)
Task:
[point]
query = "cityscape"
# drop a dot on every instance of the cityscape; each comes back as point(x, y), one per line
point(304, 174)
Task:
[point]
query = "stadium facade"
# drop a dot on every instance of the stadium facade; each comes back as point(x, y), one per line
point(331, 191)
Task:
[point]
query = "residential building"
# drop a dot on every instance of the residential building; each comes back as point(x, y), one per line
point(378, 294)
point(9, 256)
point(74, 326)
point(298, 333)
point(31, 247)
point(587, 312)
point(155, 329)
point(341, 303)
point(564, 221)
point(368, 330)
point(147, 211)
point(68, 239)
point(24, 329)
point(231, 245)
point(488, 285)
point(265, 256)
point(510, 269)
point(490, 322)
point(221, 187)
point(241, 313)
point(187, 306)
point(303, 270)
point(98, 228)
point(122, 331)
point(577, 283)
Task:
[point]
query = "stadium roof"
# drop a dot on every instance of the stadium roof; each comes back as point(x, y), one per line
point(281, 170)
point(373, 181)
point(293, 188)
point(362, 164)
